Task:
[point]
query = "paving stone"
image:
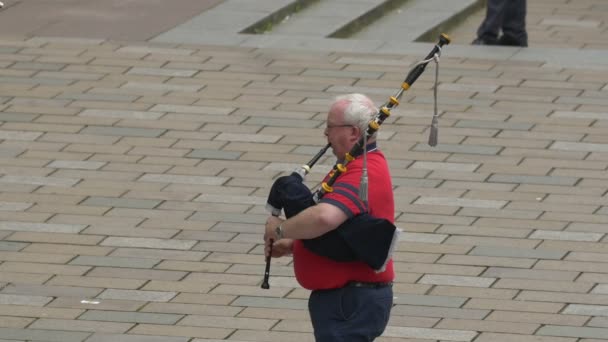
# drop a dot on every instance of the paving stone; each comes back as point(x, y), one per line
point(546, 180)
point(49, 181)
point(465, 149)
point(542, 318)
point(114, 261)
point(137, 317)
point(192, 266)
point(55, 238)
point(461, 202)
point(457, 280)
point(14, 206)
point(135, 232)
point(69, 164)
point(162, 72)
point(135, 273)
point(159, 254)
point(213, 154)
point(157, 178)
point(25, 278)
point(485, 231)
point(43, 335)
point(192, 109)
point(12, 246)
point(192, 309)
point(587, 310)
point(518, 252)
point(51, 291)
point(148, 243)
point(502, 337)
point(487, 261)
point(140, 115)
point(68, 249)
point(34, 311)
point(153, 296)
point(427, 311)
point(571, 236)
point(270, 302)
point(10, 266)
point(579, 332)
point(160, 88)
point(524, 328)
point(120, 202)
point(599, 322)
point(181, 286)
point(122, 131)
point(78, 325)
point(565, 296)
point(248, 138)
point(501, 272)
point(514, 305)
point(228, 322)
point(11, 299)
point(570, 265)
point(19, 135)
point(231, 199)
point(601, 288)
point(88, 281)
point(429, 300)
point(97, 304)
point(41, 227)
point(134, 338)
point(205, 332)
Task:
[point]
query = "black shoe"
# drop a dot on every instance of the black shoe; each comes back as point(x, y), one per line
point(485, 41)
point(510, 41)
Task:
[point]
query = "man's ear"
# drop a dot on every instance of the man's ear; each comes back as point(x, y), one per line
point(355, 133)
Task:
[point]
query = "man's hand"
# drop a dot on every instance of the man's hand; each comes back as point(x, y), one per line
point(271, 225)
point(280, 248)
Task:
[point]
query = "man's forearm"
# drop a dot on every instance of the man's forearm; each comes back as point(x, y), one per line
point(313, 222)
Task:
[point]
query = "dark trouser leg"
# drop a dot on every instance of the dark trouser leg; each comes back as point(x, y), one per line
point(350, 314)
point(514, 24)
point(490, 27)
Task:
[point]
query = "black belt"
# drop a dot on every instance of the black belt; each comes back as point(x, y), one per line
point(368, 285)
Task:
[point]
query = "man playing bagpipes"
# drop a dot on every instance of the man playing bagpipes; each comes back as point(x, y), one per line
point(343, 235)
point(350, 301)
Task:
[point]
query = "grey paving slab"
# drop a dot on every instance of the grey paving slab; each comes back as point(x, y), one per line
point(148, 243)
point(24, 300)
point(43, 335)
point(51, 291)
point(152, 296)
point(119, 316)
point(134, 338)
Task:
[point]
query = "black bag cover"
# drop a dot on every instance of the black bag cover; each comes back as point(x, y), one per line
point(361, 238)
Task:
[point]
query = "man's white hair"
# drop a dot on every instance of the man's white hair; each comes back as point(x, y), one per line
point(358, 110)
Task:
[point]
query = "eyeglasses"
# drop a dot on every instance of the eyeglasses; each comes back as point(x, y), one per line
point(336, 126)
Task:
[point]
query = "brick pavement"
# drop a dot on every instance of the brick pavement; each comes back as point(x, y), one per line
point(133, 179)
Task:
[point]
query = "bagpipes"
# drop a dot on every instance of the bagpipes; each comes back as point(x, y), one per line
point(363, 237)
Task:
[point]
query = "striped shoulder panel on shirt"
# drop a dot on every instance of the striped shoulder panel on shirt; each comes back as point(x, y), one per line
point(345, 196)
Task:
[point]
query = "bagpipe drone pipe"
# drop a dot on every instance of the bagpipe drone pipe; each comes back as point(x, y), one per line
point(363, 237)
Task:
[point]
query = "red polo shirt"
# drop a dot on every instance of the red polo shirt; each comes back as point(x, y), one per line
point(315, 272)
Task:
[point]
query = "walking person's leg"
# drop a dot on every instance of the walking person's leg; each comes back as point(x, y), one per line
point(350, 314)
point(487, 33)
point(514, 24)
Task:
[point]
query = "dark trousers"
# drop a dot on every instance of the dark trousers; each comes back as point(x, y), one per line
point(508, 16)
point(350, 314)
